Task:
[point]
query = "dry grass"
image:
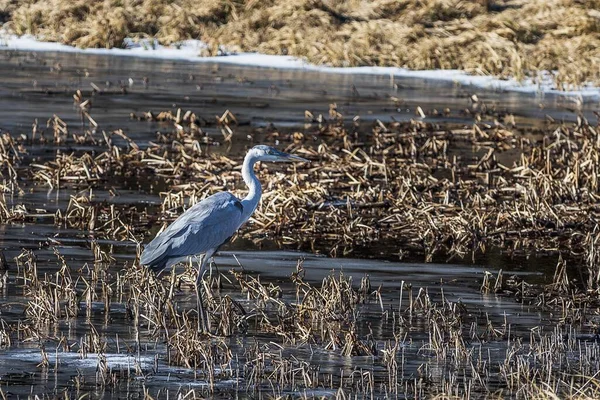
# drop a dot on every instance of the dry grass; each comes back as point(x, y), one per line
point(500, 37)
point(324, 318)
point(398, 183)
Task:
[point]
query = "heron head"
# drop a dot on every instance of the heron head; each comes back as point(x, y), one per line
point(267, 153)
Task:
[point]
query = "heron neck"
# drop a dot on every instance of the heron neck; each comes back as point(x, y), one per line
point(250, 202)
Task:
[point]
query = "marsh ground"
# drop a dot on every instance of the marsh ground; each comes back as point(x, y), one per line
point(330, 293)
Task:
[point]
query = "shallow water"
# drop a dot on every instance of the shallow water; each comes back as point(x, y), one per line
point(21, 374)
point(39, 85)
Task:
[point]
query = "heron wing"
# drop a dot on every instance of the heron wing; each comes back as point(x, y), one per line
point(204, 226)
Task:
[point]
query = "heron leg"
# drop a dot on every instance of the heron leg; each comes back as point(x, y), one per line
point(203, 320)
point(212, 264)
point(202, 317)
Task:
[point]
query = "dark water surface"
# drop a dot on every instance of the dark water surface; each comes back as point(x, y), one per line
point(38, 85)
point(35, 86)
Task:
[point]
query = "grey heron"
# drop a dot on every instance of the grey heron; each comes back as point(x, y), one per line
point(209, 224)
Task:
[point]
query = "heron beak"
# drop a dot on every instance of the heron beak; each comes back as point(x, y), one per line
point(292, 157)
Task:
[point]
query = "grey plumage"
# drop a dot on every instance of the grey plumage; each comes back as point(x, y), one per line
point(206, 225)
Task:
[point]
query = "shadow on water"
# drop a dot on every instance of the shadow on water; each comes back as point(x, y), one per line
point(39, 85)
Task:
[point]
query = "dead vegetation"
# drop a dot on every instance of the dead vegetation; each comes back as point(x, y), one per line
point(263, 332)
point(507, 38)
point(399, 183)
point(410, 186)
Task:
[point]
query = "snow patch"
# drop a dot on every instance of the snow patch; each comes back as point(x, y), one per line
point(91, 360)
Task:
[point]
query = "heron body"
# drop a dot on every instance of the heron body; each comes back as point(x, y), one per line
point(201, 229)
point(207, 225)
